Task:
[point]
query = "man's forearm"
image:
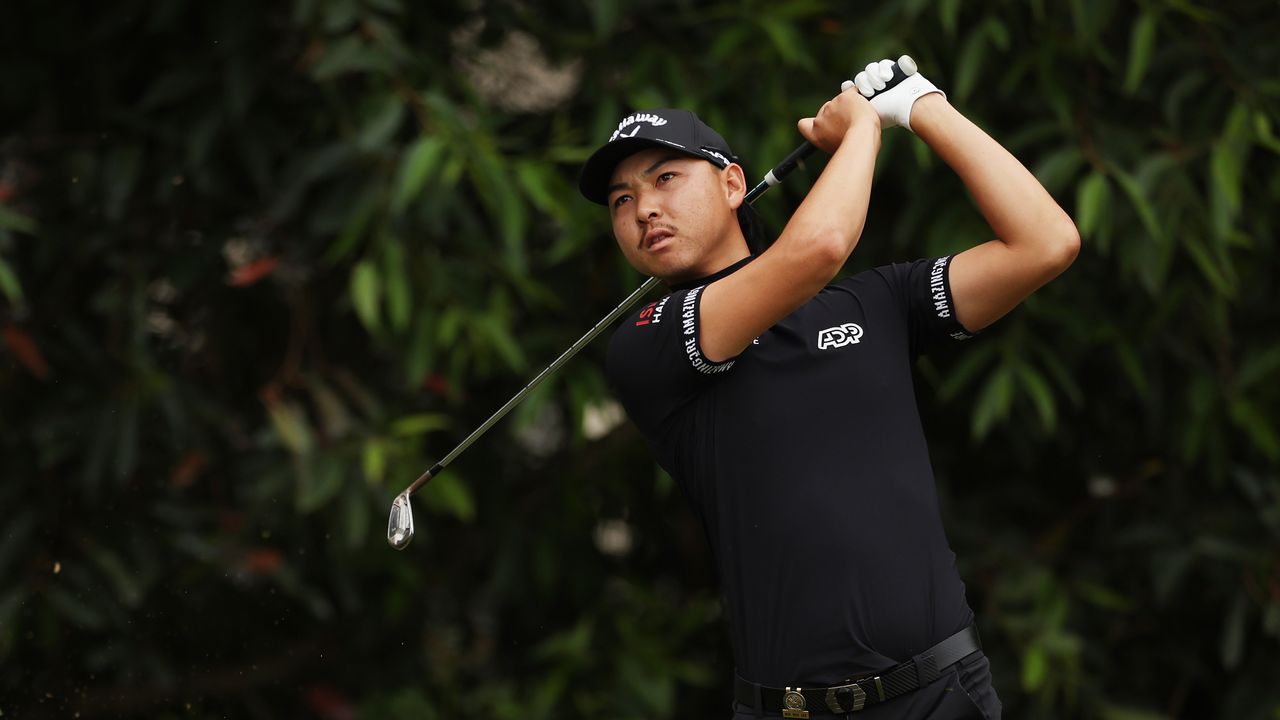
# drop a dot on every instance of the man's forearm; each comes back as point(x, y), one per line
point(835, 210)
point(1020, 211)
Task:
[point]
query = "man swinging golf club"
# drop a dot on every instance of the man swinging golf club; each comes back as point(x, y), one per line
point(782, 403)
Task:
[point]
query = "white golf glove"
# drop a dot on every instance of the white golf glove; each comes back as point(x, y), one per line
point(894, 104)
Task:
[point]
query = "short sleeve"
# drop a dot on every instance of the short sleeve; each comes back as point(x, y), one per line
point(655, 362)
point(924, 289)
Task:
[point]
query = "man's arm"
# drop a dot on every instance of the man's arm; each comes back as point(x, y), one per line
point(1036, 239)
point(816, 241)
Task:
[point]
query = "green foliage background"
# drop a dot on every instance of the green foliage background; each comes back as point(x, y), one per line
point(262, 263)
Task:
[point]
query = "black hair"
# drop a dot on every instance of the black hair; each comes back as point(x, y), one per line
point(753, 229)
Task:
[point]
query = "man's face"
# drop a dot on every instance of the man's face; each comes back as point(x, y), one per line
point(672, 213)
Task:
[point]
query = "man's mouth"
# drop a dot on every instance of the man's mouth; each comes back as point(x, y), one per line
point(657, 238)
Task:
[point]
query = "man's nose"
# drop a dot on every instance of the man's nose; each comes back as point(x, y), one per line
point(647, 209)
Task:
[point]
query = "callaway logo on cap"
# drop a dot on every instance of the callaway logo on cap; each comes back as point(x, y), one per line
point(664, 127)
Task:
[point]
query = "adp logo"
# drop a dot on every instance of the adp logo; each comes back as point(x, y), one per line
point(839, 336)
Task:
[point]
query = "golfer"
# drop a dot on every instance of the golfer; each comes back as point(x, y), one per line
point(782, 402)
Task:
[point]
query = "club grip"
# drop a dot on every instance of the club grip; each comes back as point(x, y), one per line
point(789, 163)
point(903, 69)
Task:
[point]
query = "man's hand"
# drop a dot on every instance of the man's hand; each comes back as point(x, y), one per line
point(834, 120)
point(893, 105)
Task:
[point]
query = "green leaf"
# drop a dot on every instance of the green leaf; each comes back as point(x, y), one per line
point(419, 162)
point(355, 516)
point(998, 32)
point(1220, 276)
point(126, 583)
point(1169, 569)
point(1258, 366)
point(729, 42)
point(499, 336)
point(1141, 46)
point(417, 425)
point(1103, 596)
point(1134, 368)
point(1036, 386)
point(993, 404)
point(949, 15)
point(786, 40)
point(119, 173)
point(492, 181)
point(969, 64)
point(9, 284)
point(291, 426)
point(11, 219)
point(391, 7)
point(965, 370)
point(571, 644)
point(353, 230)
point(448, 493)
point(604, 17)
point(348, 55)
point(1142, 205)
point(1035, 666)
point(335, 420)
point(1117, 712)
point(364, 294)
point(395, 270)
point(75, 609)
point(127, 438)
point(541, 185)
point(1227, 166)
point(382, 124)
point(374, 460)
point(10, 603)
point(1091, 201)
point(1255, 423)
point(1057, 170)
point(14, 540)
point(1233, 632)
point(421, 350)
point(319, 481)
point(1262, 129)
point(340, 15)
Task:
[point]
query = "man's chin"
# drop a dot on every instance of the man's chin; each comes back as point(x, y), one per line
point(670, 273)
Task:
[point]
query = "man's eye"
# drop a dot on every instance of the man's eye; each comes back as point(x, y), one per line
point(664, 177)
point(617, 202)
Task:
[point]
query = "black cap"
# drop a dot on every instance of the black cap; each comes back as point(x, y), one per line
point(665, 127)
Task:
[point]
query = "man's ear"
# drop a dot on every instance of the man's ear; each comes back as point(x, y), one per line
point(734, 181)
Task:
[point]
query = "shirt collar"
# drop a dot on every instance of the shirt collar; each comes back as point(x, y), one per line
point(687, 284)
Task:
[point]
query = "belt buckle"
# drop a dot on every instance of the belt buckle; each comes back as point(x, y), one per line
point(836, 696)
point(793, 704)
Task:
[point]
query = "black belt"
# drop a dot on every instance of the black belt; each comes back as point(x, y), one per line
point(856, 694)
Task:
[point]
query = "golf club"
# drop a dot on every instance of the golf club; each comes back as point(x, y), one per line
point(400, 522)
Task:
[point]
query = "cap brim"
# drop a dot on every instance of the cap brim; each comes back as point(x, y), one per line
point(593, 183)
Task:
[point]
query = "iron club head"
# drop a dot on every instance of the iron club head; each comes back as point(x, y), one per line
point(400, 524)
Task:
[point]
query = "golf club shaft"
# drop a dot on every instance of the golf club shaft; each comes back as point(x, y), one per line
point(773, 177)
point(567, 355)
point(781, 170)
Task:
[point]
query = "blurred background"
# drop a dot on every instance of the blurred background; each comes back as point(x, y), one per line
point(261, 264)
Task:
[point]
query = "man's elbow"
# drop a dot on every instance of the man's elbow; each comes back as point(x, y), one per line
point(1063, 246)
point(832, 247)
point(820, 251)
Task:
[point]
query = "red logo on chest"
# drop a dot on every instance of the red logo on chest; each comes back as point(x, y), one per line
point(652, 313)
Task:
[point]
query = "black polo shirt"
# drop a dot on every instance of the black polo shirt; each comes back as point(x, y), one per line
point(805, 460)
